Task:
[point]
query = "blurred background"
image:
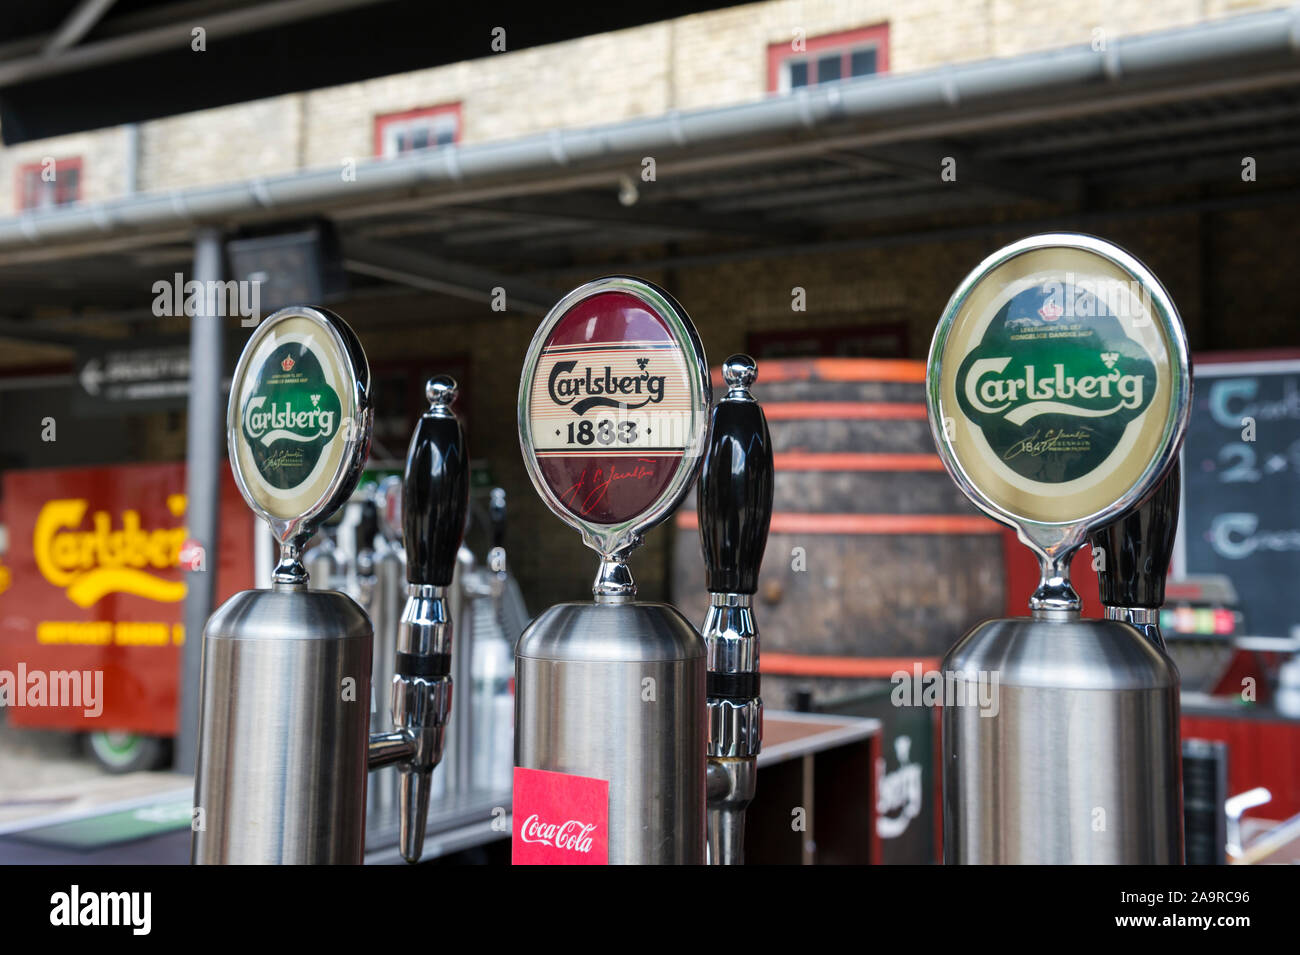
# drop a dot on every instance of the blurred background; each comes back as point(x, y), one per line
point(811, 179)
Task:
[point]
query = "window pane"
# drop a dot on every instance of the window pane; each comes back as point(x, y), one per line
point(421, 131)
point(69, 185)
point(828, 68)
point(798, 73)
point(862, 62)
point(40, 193)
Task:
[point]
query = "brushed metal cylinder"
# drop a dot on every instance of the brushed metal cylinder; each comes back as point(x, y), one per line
point(584, 706)
point(1072, 756)
point(281, 775)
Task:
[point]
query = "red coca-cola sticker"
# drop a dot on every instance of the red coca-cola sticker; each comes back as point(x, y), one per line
point(559, 819)
point(611, 411)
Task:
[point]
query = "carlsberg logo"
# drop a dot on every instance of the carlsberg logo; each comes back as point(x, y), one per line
point(1052, 393)
point(1031, 393)
point(290, 416)
point(276, 422)
point(590, 388)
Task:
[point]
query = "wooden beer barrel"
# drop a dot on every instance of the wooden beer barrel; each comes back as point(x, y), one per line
point(875, 559)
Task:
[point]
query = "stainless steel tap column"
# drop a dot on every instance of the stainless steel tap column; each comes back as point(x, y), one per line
point(735, 509)
point(281, 774)
point(610, 695)
point(1058, 392)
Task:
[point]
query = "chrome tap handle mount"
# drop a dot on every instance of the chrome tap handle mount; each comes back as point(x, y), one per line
point(735, 510)
point(435, 501)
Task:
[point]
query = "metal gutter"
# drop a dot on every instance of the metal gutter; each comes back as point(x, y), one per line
point(1250, 42)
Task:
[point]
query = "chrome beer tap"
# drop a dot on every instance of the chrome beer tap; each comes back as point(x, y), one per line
point(735, 509)
point(1059, 390)
point(610, 694)
point(285, 708)
point(284, 746)
point(435, 500)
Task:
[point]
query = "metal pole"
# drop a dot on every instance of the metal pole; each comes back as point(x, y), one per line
point(202, 486)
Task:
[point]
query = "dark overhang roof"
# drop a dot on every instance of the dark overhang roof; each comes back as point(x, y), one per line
point(71, 65)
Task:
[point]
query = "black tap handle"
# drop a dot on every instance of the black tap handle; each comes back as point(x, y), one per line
point(1137, 549)
point(497, 515)
point(735, 492)
point(367, 528)
point(435, 494)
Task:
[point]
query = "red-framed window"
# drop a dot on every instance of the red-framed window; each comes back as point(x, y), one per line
point(45, 184)
point(825, 59)
point(415, 129)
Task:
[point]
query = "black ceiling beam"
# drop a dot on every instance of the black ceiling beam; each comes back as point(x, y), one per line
point(677, 217)
point(927, 161)
point(401, 266)
point(76, 25)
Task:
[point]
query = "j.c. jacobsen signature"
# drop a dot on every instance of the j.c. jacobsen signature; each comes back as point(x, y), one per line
point(592, 486)
point(1039, 444)
point(284, 459)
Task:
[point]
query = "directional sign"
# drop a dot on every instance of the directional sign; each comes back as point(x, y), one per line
point(134, 376)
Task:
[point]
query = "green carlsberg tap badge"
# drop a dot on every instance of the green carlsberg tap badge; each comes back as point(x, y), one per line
point(290, 416)
point(1054, 382)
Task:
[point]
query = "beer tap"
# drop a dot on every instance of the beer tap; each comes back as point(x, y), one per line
point(610, 740)
point(285, 706)
point(284, 746)
point(1135, 554)
point(735, 509)
point(435, 500)
point(1059, 391)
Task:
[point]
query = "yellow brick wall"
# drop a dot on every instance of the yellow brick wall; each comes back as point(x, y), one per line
point(103, 169)
point(226, 144)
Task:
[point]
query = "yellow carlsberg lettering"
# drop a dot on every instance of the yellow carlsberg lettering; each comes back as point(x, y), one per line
point(90, 563)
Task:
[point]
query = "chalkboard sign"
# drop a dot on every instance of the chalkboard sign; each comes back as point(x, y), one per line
point(1241, 486)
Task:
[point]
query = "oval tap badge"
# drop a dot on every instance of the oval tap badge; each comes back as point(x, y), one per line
point(298, 423)
point(1058, 381)
point(612, 407)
